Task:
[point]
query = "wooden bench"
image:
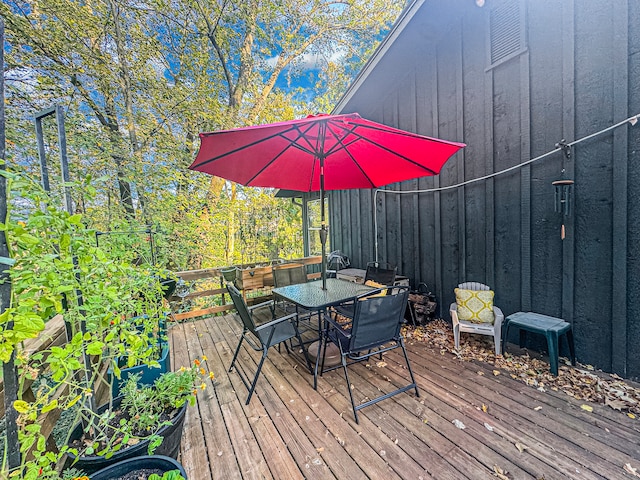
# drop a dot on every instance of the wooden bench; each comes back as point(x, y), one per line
point(550, 327)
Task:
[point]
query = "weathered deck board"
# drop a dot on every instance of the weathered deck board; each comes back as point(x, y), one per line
point(290, 431)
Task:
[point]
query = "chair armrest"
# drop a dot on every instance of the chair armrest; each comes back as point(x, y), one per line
point(338, 326)
point(498, 315)
point(453, 311)
point(260, 305)
point(275, 322)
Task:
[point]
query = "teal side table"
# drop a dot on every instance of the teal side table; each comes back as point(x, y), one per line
point(551, 327)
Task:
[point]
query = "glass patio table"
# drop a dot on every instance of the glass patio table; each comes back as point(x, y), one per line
point(311, 296)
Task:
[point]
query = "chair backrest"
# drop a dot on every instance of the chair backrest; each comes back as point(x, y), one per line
point(289, 274)
point(241, 307)
point(474, 286)
point(377, 320)
point(382, 273)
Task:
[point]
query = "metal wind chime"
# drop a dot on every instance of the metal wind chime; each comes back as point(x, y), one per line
point(563, 189)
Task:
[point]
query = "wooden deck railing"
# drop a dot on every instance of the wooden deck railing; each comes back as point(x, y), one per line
point(260, 285)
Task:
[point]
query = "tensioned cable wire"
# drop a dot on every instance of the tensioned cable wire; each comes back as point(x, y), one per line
point(632, 120)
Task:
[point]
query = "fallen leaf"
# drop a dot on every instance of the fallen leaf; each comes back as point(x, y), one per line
point(616, 403)
point(480, 373)
point(496, 372)
point(500, 473)
point(381, 364)
point(458, 424)
point(488, 427)
point(484, 408)
point(629, 469)
point(631, 415)
point(538, 408)
point(588, 408)
point(320, 449)
point(521, 447)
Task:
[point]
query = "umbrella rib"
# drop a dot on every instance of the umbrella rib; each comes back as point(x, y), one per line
point(340, 140)
point(361, 137)
point(249, 145)
point(292, 143)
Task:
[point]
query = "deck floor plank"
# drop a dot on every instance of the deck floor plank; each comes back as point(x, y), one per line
point(193, 457)
point(511, 420)
point(215, 416)
point(374, 466)
point(247, 453)
point(555, 432)
point(302, 449)
point(567, 418)
point(490, 447)
point(448, 441)
point(393, 425)
point(281, 464)
point(290, 431)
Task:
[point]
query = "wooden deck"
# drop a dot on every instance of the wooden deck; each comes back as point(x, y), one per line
point(290, 431)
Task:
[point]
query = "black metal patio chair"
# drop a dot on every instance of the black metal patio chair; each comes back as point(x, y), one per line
point(269, 334)
point(374, 329)
point(293, 274)
point(377, 273)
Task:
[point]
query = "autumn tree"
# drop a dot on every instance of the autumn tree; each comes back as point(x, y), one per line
point(140, 80)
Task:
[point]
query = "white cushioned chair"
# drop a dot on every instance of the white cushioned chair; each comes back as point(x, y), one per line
point(493, 329)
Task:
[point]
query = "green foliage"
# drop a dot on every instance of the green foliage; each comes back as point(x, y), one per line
point(111, 307)
point(145, 404)
point(139, 81)
point(170, 475)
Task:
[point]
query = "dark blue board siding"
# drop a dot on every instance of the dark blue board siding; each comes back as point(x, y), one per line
point(633, 207)
point(575, 72)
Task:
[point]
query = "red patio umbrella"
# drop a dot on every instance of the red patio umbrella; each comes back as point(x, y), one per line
point(319, 153)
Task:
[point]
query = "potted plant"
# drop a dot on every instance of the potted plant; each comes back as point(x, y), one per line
point(156, 360)
point(106, 303)
point(143, 420)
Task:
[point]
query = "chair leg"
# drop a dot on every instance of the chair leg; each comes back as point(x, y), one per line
point(497, 340)
point(346, 376)
point(456, 336)
point(552, 343)
point(235, 355)
point(572, 348)
point(406, 358)
point(255, 379)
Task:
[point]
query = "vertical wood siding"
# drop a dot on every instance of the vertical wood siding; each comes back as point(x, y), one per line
point(575, 73)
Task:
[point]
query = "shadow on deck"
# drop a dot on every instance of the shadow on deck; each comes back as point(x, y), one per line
point(290, 431)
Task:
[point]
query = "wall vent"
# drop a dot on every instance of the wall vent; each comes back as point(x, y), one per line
point(506, 30)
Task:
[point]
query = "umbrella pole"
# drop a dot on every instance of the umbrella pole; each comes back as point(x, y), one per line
point(323, 225)
point(323, 230)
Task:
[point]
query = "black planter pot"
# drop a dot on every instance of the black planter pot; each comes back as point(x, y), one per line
point(169, 447)
point(156, 462)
